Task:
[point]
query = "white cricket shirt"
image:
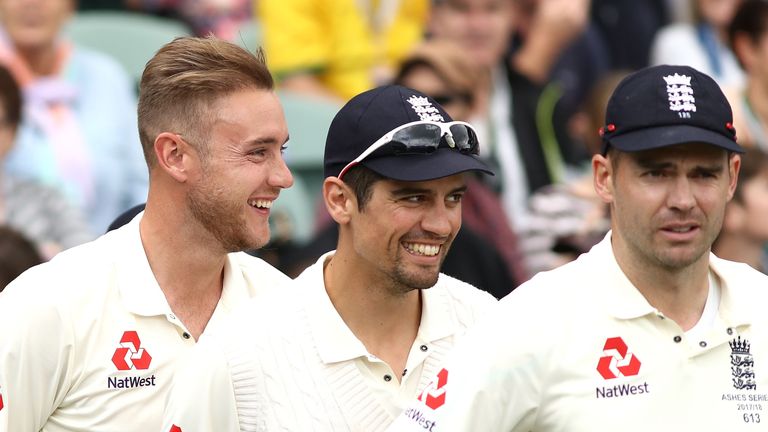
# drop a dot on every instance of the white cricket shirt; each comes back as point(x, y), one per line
point(580, 349)
point(291, 363)
point(89, 343)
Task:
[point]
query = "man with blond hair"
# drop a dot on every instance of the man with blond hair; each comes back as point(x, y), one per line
point(98, 331)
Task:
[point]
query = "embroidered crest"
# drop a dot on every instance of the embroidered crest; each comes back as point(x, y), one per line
point(424, 109)
point(742, 364)
point(680, 94)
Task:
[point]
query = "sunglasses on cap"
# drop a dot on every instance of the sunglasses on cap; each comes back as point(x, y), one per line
point(421, 137)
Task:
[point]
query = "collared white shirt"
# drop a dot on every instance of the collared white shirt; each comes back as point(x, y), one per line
point(89, 342)
point(290, 363)
point(580, 349)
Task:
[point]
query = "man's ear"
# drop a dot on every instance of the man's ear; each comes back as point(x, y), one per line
point(734, 167)
point(602, 177)
point(340, 200)
point(172, 155)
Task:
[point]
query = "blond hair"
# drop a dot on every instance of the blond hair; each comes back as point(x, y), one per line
point(184, 78)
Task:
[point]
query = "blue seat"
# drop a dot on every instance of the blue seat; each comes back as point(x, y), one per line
point(131, 38)
point(308, 121)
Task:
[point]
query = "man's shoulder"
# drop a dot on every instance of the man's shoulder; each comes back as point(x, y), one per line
point(742, 278)
point(255, 267)
point(464, 296)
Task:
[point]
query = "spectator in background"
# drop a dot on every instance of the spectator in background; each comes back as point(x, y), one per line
point(628, 27)
point(339, 48)
point(42, 214)
point(17, 254)
point(702, 44)
point(515, 131)
point(567, 219)
point(747, 34)
point(745, 232)
point(78, 131)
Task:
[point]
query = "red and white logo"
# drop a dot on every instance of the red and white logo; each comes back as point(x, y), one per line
point(617, 361)
point(131, 355)
point(433, 394)
point(175, 428)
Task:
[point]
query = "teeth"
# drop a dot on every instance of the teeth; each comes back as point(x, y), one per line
point(260, 203)
point(422, 249)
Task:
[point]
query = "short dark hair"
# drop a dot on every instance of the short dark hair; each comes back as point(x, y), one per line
point(17, 254)
point(751, 20)
point(361, 179)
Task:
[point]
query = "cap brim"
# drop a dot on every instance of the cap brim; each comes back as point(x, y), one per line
point(664, 136)
point(421, 167)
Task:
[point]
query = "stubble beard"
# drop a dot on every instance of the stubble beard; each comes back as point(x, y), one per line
point(219, 216)
point(666, 258)
point(408, 281)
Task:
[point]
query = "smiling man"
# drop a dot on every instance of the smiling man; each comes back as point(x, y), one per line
point(90, 340)
point(367, 324)
point(646, 331)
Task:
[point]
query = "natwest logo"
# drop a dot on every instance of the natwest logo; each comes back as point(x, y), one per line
point(433, 395)
point(131, 355)
point(617, 360)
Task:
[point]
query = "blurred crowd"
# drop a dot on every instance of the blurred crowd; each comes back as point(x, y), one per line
point(532, 76)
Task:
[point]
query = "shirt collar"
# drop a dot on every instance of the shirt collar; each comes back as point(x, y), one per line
point(621, 298)
point(235, 290)
point(335, 341)
point(138, 287)
point(736, 306)
point(438, 318)
point(624, 301)
point(139, 290)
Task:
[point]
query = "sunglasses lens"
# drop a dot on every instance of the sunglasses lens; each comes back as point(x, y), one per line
point(418, 138)
point(465, 138)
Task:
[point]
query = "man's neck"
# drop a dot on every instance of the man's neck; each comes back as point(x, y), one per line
point(679, 294)
point(386, 323)
point(189, 274)
point(41, 61)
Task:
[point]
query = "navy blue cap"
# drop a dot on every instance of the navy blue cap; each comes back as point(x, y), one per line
point(661, 106)
point(371, 115)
